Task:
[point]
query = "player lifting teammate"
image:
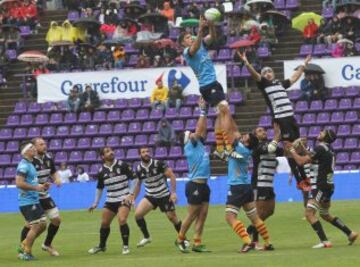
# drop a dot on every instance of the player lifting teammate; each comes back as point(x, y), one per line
point(115, 175)
point(197, 57)
point(197, 190)
point(322, 163)
point(154, 173)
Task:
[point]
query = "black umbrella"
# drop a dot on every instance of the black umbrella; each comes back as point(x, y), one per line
point(87, 45)
point(277, 15)
point(314, 68)
point(87, 23)
point(134, 10)
point(9, 26)
point(242, 12)
point(354, 20)
point(153, 18)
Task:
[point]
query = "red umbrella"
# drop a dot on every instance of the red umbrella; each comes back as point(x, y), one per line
point(33, 56)
point(241, 43)
point(163, 43)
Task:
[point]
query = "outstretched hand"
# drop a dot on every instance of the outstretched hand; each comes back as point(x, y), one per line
point(242, 56)
point(307, 60)
point(202, 23)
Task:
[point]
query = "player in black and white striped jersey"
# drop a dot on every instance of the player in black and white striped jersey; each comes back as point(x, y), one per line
point(276, 98)
point(154, 174)
point(262, 180)
point(115, 175)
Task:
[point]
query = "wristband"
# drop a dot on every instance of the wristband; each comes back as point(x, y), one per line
point(292, 150)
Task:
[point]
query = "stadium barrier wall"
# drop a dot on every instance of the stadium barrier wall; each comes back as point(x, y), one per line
point(81, 195)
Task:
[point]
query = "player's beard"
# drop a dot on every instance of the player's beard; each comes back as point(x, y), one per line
point(145, 159)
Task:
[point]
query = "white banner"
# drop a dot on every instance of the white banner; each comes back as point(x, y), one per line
point(126, 83)
point(343, 71)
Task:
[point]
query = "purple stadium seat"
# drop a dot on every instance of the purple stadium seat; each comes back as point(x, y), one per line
point(301, 106)
point(352, 91)
point(120, 128)
point(210, 137)
point(181, 165)
point(2, 146)
point(107, 103)
point(224, 54)
point(11, 54)
point(270, 134)
point(41, 119)
point(191, 124)
point(142, 114)
point(292, 4)
point(69, 144)
point(263, 52)
point(351, 116)
point(345, 104)
point(350, 167)
point(308, 119)
point(73, 15)
point(84, 117)
point(99, 116)
point(26, 120)
point(113, 141)
point(90, 156)
point(132, 154)
point(56, 118)
point(245, 72)
point(62, 131)
point(356, 103)
point(94, 169)
point(119, 153)
point(185, 112)
point(70, 118)
point(20, 133)
point(13, 120)
point(342, 157)
point(128, 115)
point(98, 142)
point(344, 130)
point(48, 131)
point(337, 92)
point(106, 129)
point(134, 127)
point(149, 127)
point(113, 115)
point(355, 157)
point(16, 158)
point(33, 132)
point(320, 50)
point(127, 141)
point(298, 118)
point(25, 31)
point(330, 127)
point(5, 134)
point(337, 117)
point(9, 173)
point(265, 121)
point(20, 107)
point(212, 112)
point(135, 103)
point(178, 125)
point(328, 12)
point(210, 124)
point(170, 164)
point(175, 152)
point(61, 106)
point(48, 107)
point(55, 144)
point(279, 4)
point(303, 132)
point(323, 118)
point(338, 144)
point(161, 152)
point(314, 131)
point(305, 50)
point(235, 98)
point(61, 157)
point(146, 102)
point(357, 47)
point(356, 130)
point(191, 100)
point(330, 104)
point(84, 143)
point(121, 103)
point(156, 114)
point(351, 143)
point(174, 33)
point(91, 129)
point(235, 71)
point(316, 105)
point(5, 160)
point(34, 107)
point(141, 140)
point(78, 130)
point(294, 95)
point(171, 113)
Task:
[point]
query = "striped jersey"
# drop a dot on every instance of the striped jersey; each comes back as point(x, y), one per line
point(45, 167)
point(276, 97)
point(265, 164)
point(116, 179)
point(309, 171)
point(323, 162)
point(154, 178)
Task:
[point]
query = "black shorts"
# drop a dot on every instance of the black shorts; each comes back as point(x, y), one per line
point(321, 196)
point(239, 195)
point(114, 206)
point(197, 193)
point(264, 193)
point(164, 203)
point(33, 213)
point(47, 203)
point(213, 93)
point(289, 128)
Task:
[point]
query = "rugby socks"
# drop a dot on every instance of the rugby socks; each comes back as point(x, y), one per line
point(240, 230)
point(104, 234)
point(24, 233)
point(177, 226)
point(254, 233)
point(228, 144)
point(319, 231)
point(142, 225)
point(52, 230)
point(219, 139)
point(197, 241)
point(262, 230)
point(125, 232)
point(339, 224)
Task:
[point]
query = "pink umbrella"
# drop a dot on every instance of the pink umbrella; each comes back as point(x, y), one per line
point(163, 43)
point(241, 43)
point(8, 2)
point(33, 56)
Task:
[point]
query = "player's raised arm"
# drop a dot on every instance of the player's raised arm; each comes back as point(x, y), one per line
point(211, 37)
point(297, 74)
point(201, 125)
point(300, 160)
point(199, 38)
point(254, 74)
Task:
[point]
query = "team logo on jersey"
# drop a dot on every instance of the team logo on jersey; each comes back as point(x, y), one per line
point(196, 193)
point(229, 193)
point(118, 171)
point(33, 207)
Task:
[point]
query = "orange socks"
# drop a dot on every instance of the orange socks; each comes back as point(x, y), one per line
point(219, 139)
point(262, 230)
point(240, 230)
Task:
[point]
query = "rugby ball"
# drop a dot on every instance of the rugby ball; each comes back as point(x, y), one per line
point(212, 14)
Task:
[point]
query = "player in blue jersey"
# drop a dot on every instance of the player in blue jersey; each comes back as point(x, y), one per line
point(240, 194)
point(29, 188)
point(197, 190)
point(197, 57)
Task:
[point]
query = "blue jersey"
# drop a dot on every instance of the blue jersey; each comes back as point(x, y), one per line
point(238, 168)
point(26, 169)
point(198, 160)
point(202, 65)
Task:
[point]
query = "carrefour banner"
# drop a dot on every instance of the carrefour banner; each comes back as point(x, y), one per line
point(338, 71)
point(126, 83)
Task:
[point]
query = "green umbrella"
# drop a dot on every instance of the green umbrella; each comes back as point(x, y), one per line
point(302, 20)
point(190, 23)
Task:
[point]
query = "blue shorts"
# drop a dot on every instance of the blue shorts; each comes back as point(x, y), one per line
point(197, 193)
point(213, 93)
point(239, 195)
point(33, 213)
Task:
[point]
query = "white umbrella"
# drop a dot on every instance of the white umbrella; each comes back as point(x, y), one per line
point(344, 40)
point(259, 2)
point(250, 23)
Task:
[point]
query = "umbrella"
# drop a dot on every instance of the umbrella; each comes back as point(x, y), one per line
point(241, 12)
point(348, 2)
point(153, 18)
point(129, 22)
point(87, 23)
point(241, 43)
point(250, 23)
point(33, 56)
point(189, 23)
point(354, 20)
point(275, 14)
point(314, 68)
point(344, 40)
point(118, 41)
point(61, 43)
point(9, 26)
point(134, 10)
point(164, 43)
point(302, 20)
point(87, 45)
point(259, 2)
point(8, 1)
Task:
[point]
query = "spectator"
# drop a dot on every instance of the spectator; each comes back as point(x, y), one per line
point(339, 50)
point(82, 176)
point(159, 96)
point(54, 33)
point(119, 57)
point(36, 72)
point(166, 136)
point(158, 62)
point(193, 10)
point(323, 31)
point(12, 38)
point(64, 173)
point(67, 32)
point(73, 102)
point(175, 95)
point(335, 31)
point(29, 13)
point(40, 70)
point(168, 61)
point(307, 88)
point(143, 62)
point(349, 29)
point(168, 12)
point(104, 57)
point(313, 87)
point(89, 100)
point(254, 35)
point(268, 36)
point(66, 59)
point(310, 31)
point(121, 31)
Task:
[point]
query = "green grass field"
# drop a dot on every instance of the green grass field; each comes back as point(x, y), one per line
point(291, 236)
